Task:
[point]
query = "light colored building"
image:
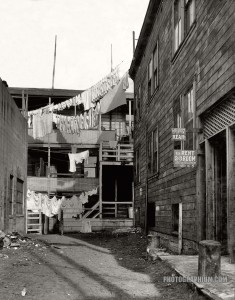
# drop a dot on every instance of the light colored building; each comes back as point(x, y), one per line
point(109, 168)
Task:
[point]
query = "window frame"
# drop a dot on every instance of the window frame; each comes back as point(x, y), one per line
point(185, 123)
point(178, 24)
point(189, 117)
point(138, 102)
point(156, 67)
point(19, 197)
point(137, 165)
point(153, 71)
point(181, 8)
point(153, 152)
point(150, 76)
point(11, 195)
point(175, 218)
point(188, 4)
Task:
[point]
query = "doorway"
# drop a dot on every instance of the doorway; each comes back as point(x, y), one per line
point(219, 190)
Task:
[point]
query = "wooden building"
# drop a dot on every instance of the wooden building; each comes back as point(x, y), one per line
point(13, 163)
point(183, 71)
point(109, 167)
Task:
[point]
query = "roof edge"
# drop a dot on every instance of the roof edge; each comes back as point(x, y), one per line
point(144, 35)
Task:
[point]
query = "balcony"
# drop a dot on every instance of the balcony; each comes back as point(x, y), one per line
point(116, 153)
point(86, 137)
point(41, 184)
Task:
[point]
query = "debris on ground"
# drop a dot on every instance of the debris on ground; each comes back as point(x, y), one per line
point(154, 253)
point(123, 231)
point(23, 292)
point(15, 240)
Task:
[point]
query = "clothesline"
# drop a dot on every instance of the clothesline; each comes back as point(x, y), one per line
point(89, 96)
point(53, 206)
point(42, 119)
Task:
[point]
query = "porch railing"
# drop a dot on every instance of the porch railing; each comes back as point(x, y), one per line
point(109, 210)
point(121, 210)
point(109, 151)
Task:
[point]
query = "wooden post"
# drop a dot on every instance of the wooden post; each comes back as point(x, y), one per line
point(210, 191)
point(180, 230)
point(130, 121)
point(201, 194)
point(133, 39)
point(115, 196)
point(118, 153)
point(231, 192)
point(23, 103)
point(209, 260)
point(46, 219)
point(26, 104)
point(100, 190)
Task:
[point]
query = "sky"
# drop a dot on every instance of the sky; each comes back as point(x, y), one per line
point(85, 30)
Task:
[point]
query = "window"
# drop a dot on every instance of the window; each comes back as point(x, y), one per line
point(19, 197)
point(155, 67)
point(150, 147)
point(189, 14)
point(177, 24)
point(11, 195)
point(175, 218)
point(184, 17)
point(188, 118)
point(138, 102)
point(183, 117)
point(153, 159)
point(177, 119)
point(155, 151)
point(153, 72)
point(150, 73)
point(137, 165)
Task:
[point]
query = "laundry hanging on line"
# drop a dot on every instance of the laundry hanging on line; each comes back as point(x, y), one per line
point(73, 124)
point(39, 201)
point(76, 158)
point(89, 96)
point(42, 124)
point(84, 195)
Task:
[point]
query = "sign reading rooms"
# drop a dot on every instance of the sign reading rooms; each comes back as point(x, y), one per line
point(178, 134)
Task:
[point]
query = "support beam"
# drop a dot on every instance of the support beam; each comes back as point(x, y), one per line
point(100, 190)
point(180, 232)
point(210, 191)
point(201, 194)
point(231, 192)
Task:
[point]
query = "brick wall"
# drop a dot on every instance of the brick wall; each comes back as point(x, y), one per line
point(13, 160)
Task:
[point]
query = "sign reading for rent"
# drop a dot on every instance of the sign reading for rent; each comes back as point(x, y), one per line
point(185, 158)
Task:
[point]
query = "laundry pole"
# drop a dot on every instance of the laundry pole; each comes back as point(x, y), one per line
point(46, 219)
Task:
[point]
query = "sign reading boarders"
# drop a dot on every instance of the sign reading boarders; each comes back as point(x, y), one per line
point(185, 158)
point(178, 134)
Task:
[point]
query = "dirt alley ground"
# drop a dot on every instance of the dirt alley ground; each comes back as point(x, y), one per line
point(86, 266)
